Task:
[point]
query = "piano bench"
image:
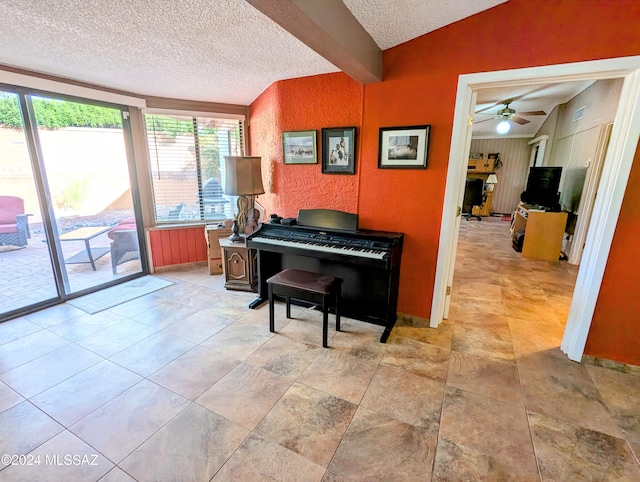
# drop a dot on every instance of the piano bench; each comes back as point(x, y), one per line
point(319, 289)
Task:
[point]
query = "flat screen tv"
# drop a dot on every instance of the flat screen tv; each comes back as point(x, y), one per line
point(543, 185)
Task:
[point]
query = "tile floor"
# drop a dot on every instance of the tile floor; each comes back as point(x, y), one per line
point(188, 384)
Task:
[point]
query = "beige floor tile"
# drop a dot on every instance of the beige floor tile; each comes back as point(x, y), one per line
point(138, 305)
point(260, 316)
point(190, 294)
point(364, 344)
point(496, 429)
point(195, 372)
point(259, 459)
point(621, 394)
point(491, 341)
point(245, 395)
point(406, 397)
point(456, 462)
point(193, 446)
point(418, 358)
point(307, 328)
point(50, 369)
point(116, 338)
point(441, 337)
point(54, 315)
point(199, 326)
point(151, 354)
point(344, 376)
point(69, 459)
point(479, 290)
point(123, 423)
point(14, 329)
point(284, 356)
point(238, 340)
point(86, 325)
point(23, 428)
point(78, 396)
point(308, 422)
point(234, 304)
point(377, 447)
point(569, 452)
point(27, 348)
point(572, 399)
point(485, 376)
point(164, 314)
point(473, 305)
point(116, 474)
point(8, 398)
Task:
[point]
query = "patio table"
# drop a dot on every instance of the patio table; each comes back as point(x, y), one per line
point(89, 255)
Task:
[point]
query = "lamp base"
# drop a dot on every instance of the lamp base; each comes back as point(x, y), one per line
point(235, 236)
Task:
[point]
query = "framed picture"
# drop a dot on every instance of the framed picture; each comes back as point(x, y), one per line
point(299, 147)
point(339, 150)
point(403, 147)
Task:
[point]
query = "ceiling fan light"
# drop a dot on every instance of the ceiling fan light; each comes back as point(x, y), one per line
point(503, 127)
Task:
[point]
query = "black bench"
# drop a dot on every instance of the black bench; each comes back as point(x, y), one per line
point(315, 288)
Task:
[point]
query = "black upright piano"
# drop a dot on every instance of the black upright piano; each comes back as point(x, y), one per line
point(327, 241)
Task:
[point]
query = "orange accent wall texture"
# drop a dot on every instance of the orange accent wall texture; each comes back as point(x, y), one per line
point(311, 103)
point(616, 321)
point(419, 87)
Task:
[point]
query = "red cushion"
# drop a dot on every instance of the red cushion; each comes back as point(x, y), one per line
point(10, 207)
point(8, 228)
point(124, 225)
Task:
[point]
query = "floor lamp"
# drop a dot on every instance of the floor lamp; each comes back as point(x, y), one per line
point(243, 179)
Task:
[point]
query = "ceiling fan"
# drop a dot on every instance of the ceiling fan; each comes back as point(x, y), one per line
point(507, 113)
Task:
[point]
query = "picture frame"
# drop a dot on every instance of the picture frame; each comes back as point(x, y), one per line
point(339, 150)
point(403, 147)
point(299, 147)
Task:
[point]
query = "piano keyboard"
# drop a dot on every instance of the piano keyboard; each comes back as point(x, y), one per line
point(326, 248)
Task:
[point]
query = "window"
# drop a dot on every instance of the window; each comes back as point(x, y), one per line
point(187, 165)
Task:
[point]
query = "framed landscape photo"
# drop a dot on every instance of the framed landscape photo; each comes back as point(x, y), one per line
point(339, 150)
point(403, 147)
point(299, 147)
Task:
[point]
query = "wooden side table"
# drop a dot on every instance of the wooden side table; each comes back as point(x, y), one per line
point(239, 266)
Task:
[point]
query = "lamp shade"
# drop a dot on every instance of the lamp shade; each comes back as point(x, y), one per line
point(243, 176)
point(492, 179)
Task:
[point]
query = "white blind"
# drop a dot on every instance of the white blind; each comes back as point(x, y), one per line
point(187, 166)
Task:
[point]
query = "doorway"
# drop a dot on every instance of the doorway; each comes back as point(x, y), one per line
point(71, 168)
point(606, 207)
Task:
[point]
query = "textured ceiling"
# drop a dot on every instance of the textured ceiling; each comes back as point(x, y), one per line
point(392, 22)
point(526, 98)
point(207, 50)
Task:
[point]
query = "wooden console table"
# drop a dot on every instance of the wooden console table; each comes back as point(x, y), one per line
point(543, 232)
point(239, 266)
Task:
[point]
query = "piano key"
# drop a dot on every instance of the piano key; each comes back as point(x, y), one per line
point(360, 252)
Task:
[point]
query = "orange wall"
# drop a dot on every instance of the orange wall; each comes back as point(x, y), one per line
point(285, 106)
point(419, 87)
point(616, 321)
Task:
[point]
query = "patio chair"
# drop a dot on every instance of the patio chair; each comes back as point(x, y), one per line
point(125, 243)
point(14, 223)
point(212, 195)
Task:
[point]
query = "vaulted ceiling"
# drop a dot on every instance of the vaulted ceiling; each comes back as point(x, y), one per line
point(220, 51)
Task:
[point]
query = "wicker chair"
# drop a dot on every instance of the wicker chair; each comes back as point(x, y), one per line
point(125, 243)
point(14, 223)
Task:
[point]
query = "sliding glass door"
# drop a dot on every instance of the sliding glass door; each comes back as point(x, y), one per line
point(26, 272)
point(71, 165)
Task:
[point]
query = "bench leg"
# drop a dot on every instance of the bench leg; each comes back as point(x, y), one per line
point(271, 314)
point(288, 307)
point(338, 311)
point(325, 321)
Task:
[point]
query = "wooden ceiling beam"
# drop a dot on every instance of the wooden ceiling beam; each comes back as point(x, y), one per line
point(329, 28)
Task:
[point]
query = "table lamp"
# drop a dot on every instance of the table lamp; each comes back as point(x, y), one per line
point(243, 179)
point(492, 180)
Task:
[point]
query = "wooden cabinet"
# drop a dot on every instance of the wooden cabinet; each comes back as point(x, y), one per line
point(543, 232)
point(239, 266)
